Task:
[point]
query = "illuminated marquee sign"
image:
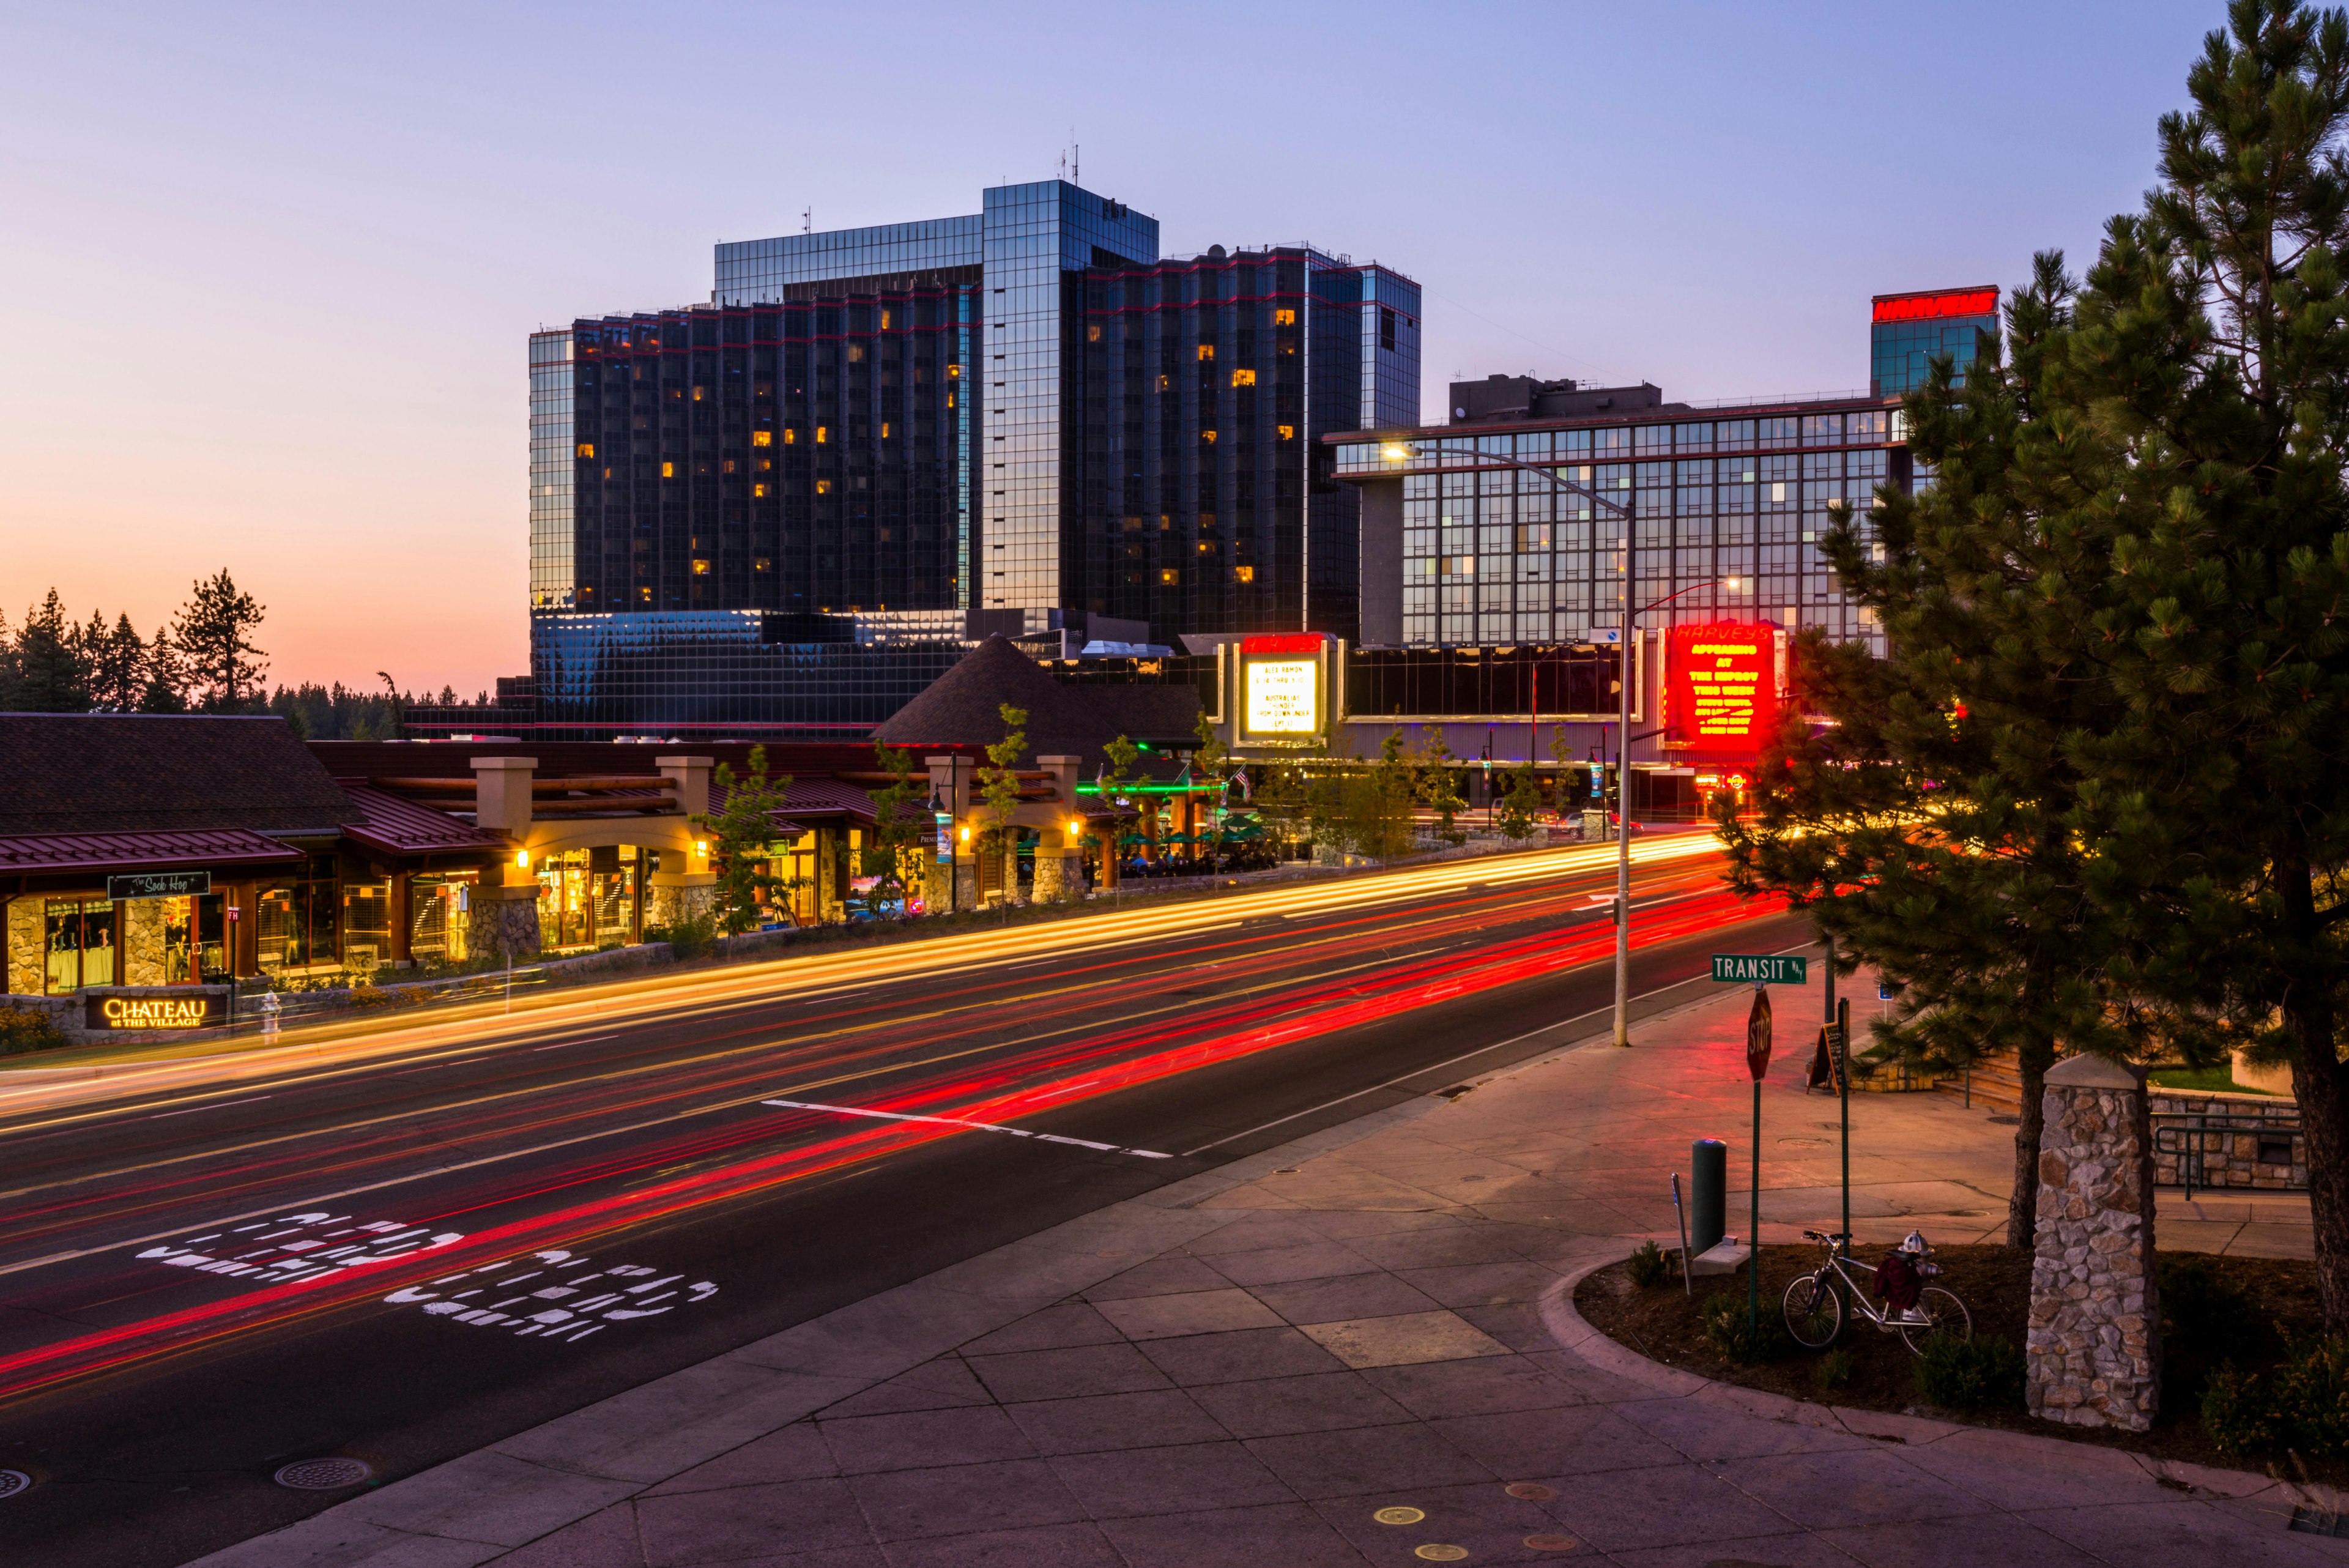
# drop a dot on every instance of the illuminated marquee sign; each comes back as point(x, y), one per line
point(1937, 305)
point(1721, 692)
point(1280, 685)
point(165, 1007)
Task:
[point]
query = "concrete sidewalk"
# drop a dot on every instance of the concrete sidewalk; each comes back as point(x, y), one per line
point(1266, 1363)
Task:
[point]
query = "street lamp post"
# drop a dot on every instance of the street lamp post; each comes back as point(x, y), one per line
point(1403, 450)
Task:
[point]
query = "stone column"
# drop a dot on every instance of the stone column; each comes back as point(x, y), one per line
point(2094, 1345)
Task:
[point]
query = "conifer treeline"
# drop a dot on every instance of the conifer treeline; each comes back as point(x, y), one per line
point(201, 660)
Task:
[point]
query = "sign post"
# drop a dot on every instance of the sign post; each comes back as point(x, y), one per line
point(1757, 1062)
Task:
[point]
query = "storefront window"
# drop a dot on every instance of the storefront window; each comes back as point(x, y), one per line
point(588, 898)
point(367, 924)
point(80, 939)
point(193, 934)
point(298, 919)
point(438, 915)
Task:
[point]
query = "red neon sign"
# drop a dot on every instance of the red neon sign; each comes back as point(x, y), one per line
point(1937, 304)
point(1283, 642)
point(1721, 690)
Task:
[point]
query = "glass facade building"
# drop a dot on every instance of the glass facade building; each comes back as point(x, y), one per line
point(1724, 507)
point(553, 579)
point(914, 418)
point(1909, 331)
point(1205, 384)
point(806, 455)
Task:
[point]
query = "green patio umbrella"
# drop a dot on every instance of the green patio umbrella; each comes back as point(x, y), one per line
point(1132, 838)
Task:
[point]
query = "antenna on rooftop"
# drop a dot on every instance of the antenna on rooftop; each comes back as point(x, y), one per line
point(807, 219)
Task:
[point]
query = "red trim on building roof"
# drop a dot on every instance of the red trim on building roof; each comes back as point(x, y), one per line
point(140, 851)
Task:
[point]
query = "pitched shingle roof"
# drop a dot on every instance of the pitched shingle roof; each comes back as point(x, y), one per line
point(99, 852)
point(963, 707)
point(140, 773)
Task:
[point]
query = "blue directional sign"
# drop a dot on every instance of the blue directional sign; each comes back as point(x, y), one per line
point(1759, 968)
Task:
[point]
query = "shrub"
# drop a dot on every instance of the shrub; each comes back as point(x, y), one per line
point(2302, 1403)
point(28, 1029)
point(1648, 1268)
point(692, 937)
point(1833, 1369)
point(1724, 1330)
point(2204, 1313)
point(1982, 1372)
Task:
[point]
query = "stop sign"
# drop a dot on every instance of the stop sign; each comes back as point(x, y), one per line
point(1757, 1035)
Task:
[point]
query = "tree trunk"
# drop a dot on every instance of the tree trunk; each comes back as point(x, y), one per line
point(2316, 1083)
point(2032, 1057)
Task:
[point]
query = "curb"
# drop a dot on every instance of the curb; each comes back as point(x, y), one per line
point(1575, 1334)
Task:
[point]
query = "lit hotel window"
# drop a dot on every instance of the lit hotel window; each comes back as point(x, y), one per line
point(856, 353)
point(823, 434)
point(1287, 433)
point(1244, 378)
point(727, 466)
point(1092, 333)
point(1207, 436)
point(701, 568)
point(586, 449)
point(884, 430)
point(758, 492)
point(884, 321)
point(697, 394)
point(1245, 574)
point(1206, 352)
point(953, 371)
point(824, 487)
point(1161, 383)
point(1284, 318)
point(669, 471)
point(763, 564)
point(1168, 574)
point(763, 438)
point(790, 437)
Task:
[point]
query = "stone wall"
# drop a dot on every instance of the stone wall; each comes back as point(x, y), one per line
point(2093, 1350)
point(2239, 1154)
point(26, 952)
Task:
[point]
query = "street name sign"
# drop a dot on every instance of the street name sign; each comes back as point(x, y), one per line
point(1759, 968)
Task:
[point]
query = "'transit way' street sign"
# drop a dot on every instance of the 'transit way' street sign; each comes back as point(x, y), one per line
point(1759, 968)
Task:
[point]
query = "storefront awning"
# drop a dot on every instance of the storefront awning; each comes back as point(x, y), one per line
point(95, 853)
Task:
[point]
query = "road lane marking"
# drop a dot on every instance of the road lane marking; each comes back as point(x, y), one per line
point(216, 1105)
point(966, 1126)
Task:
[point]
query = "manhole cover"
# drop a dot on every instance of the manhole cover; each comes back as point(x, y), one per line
point(324, 1475)
point(1532, 1491)
point(1438, 1551)
point(1399, 1516)
point(1551, 1543)
point(14, 1482)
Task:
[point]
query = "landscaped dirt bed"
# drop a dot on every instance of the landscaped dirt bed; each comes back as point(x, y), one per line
point(1664, 1324)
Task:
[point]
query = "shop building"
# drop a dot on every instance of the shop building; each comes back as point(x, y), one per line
point(160, 851)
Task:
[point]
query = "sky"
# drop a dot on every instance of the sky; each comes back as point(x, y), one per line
point(271, 269)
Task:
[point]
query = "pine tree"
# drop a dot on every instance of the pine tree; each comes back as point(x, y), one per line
point(117, 664)
point(1927, 826)
point(2210, 347)
point(52, 676)
point(164, 690)
point(213, 636)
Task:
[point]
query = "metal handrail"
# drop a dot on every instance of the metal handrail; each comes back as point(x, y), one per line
point(2189, 1154)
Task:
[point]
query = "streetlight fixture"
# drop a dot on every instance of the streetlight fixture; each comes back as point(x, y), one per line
point(1402, 451)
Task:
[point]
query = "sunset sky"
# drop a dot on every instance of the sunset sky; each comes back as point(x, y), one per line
point(270, 268)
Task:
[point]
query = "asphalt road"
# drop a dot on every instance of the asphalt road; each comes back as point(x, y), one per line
point(405, 1257)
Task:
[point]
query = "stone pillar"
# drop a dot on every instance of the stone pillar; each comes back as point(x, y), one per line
point(2094, 1345)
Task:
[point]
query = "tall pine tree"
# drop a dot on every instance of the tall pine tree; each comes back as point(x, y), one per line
point(2211, 349)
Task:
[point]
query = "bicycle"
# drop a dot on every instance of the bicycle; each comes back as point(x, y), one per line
point(1818, 1304)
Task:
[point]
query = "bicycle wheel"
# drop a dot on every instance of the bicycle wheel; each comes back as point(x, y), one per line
point(1947, 1318)
point(1814, 1310)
